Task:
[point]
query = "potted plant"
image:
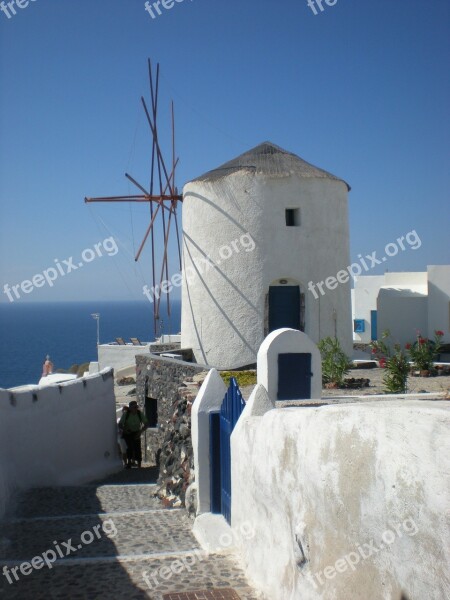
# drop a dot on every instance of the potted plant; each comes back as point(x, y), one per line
point(423, 352)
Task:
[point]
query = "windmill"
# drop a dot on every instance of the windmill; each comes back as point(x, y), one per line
point(164, 203)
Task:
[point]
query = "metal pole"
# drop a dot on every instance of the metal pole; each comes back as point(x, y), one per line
point(96, 316)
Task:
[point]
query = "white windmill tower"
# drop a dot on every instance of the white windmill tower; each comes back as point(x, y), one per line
point(256, 231)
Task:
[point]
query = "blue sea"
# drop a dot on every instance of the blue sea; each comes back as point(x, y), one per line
point(68, 333)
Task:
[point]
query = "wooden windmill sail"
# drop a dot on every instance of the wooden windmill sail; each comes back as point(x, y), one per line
point(163, 203)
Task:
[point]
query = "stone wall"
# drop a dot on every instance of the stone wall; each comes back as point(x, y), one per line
point(186, 353)
point(158, 348)
point(170, 383)
point(176, 456)
point(363, 347)
point(362, 351)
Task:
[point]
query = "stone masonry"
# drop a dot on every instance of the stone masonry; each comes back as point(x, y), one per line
point(176, 471)
point(168, 382)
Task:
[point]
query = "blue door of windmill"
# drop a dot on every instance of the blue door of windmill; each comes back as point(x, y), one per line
point(221, 427)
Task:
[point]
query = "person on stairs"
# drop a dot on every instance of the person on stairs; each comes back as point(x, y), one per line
point(132, 423)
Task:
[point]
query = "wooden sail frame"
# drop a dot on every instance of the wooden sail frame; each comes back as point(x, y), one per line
point(165, 202)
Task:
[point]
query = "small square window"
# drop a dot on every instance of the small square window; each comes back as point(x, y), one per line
point(293, 217)
point(359, 326)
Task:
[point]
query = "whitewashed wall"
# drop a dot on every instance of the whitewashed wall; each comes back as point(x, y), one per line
point(406, 279)
point(209, 399)
point(58, 435)
point(223, 308)
point(364, 300)
point(118, 357)
point(403, 314)
point(317, 484)
point(287, 341)
point(439, 300)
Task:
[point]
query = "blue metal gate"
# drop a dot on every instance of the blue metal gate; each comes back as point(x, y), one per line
point(220, 448)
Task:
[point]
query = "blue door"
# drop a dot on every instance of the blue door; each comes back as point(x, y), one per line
point(373, 325)
point(221, 428)
point(284, 307)
point(294, 376)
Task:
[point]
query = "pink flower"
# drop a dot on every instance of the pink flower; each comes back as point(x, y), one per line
point(439, 333)
point(422, 341)
point(408, 346)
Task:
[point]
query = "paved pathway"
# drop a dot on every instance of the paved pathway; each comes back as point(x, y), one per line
point(109, 540)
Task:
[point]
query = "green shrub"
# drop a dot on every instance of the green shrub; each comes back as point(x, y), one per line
point(397, 369)
point(335, 363)
point(424, 351)
point(242, 377)
point(397, 365)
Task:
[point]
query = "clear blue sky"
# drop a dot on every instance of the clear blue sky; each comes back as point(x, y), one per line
point(361, 90)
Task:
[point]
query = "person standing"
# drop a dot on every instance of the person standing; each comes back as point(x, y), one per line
point(120, 440)
point(132, 423)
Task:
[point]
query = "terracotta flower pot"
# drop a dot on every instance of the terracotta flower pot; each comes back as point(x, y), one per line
point(424, 373)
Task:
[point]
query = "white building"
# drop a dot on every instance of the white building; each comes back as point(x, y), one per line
point(256, 231)
point(403, 303)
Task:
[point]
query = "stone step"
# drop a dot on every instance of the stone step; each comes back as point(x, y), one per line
point(107, 540)
point(148, 474)
point(125, 579)
point(55, 502)
point(106, 536)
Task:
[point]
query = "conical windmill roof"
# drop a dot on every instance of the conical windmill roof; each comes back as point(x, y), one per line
point(269, 159)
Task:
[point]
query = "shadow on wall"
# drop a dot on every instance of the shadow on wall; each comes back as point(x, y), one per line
point(438, 311)
point(224, 215)
point(214, 300)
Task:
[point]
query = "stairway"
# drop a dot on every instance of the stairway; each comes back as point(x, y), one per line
point(108, 540)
